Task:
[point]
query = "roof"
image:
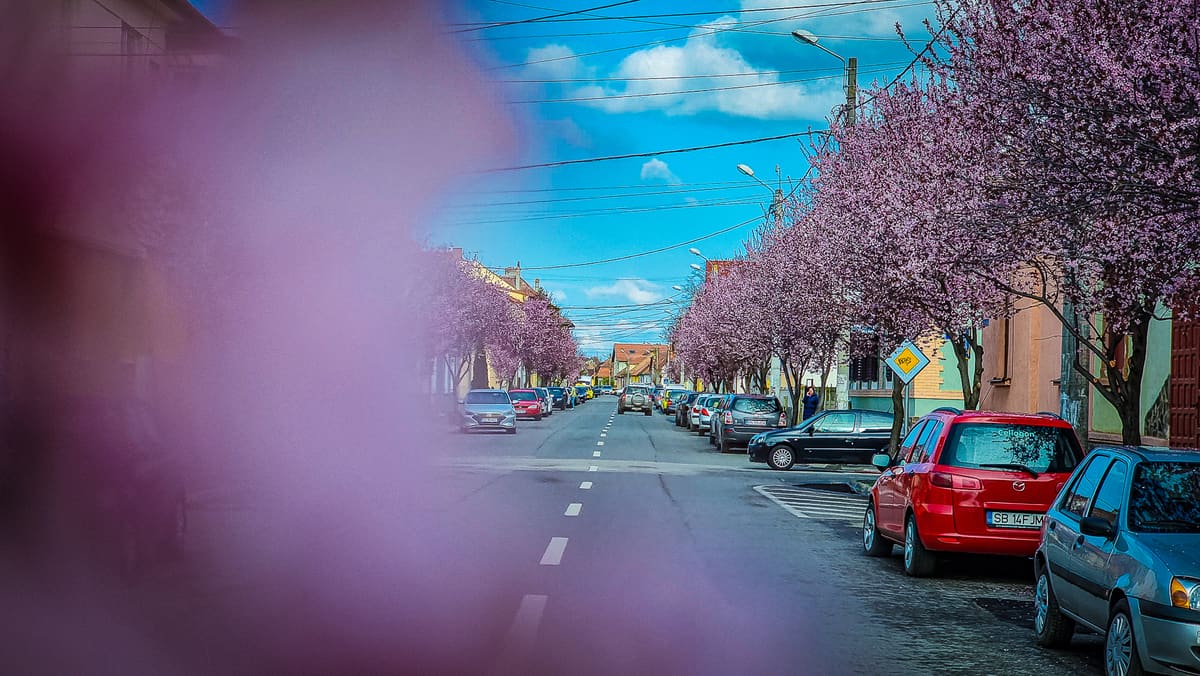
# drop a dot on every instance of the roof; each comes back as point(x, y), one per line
point(1042, 419)
point(1156, 453)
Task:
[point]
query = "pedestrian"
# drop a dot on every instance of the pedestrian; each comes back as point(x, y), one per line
point(811, 400)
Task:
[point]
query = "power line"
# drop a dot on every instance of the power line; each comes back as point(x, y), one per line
point(610, 97)
point(639, 254)
point(562, 163)
point(547, 18)
point(614, 211)
point(672, 15)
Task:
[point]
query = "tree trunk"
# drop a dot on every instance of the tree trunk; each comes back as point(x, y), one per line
point(792, 380)
point(969, 378)
point(1124, 391)
point(898, 416)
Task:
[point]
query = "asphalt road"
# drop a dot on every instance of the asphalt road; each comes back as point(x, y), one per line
point(632, 546)
point(596, 543)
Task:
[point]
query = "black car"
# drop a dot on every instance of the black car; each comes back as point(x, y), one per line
point(830, 436)
point(744, 415)
point(683, 406)
point(561, 401)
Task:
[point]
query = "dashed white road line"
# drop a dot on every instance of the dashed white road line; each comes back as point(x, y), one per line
point(595, 454)
point(599, 443)
point(586, 485)
point(522, 633)
point(603, 434)
point(554, 552)
point(573, 509)
point(592, 468)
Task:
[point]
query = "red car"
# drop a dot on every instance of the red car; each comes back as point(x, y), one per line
point(970, 482)
point(528, 403)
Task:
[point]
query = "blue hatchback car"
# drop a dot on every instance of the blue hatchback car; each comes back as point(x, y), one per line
point(1120, 555)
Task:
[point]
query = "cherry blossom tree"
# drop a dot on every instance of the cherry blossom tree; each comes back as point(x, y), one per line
point(1093, 108)
point(464, 313)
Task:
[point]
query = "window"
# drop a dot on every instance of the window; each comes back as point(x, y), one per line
point(928, 441)
point(523, 396)
point(876, 422)
point(1035, 447)
point(753, 406)
point(837, 423)
point(487, 398)
point(1107, 504)
point(1165, 497)
point(911, 440)
point(1076, 499)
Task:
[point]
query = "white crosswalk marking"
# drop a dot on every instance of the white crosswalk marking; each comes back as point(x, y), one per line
point(807, 503)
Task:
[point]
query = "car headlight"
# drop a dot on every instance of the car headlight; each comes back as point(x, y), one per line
point(1185, 592)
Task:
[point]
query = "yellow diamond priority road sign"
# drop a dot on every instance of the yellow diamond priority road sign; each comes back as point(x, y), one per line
point(907, 361)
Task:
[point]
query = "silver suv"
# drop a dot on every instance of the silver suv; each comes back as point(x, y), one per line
point(488, 410)
point(636, 398)
point(1120, 555)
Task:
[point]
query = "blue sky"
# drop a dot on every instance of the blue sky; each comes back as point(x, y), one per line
point(744, 76)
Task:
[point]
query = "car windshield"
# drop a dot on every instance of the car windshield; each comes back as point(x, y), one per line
point(743, 405)
point(523, 396)
point(1034, 447)
point(580, 390)
point(1165, 498)
point(556, 390)
point(486, 398)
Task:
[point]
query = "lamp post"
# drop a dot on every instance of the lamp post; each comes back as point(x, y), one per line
point(776, 192)
point(850, 71)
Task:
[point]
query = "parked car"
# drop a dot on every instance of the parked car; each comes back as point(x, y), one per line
point(973, 482)
point(837, 436)
point(635, 398)
point(528, 403)
point(580, 393)
point(561, 400)
point(671, 397)
point(1120, 555)
point(604, 389)
point(547, 399)
point(701, 411)
point(683, 408)
point(488, 410)
point(717, 405)
point(744, 415)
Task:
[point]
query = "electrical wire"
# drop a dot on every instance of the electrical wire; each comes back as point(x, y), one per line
point(586, 160)
point(548, 18)
point(672, 15)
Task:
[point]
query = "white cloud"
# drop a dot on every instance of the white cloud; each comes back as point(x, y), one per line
point(557, 295)
point(702, 55)
point(655, 168)
point(632, 290)
point(551, 62)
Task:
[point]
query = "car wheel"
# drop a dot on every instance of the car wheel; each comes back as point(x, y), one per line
point(874, 544)
point(1120, 646)
point(537, 417)
point(1052, 628)
point(781, 456)
point(918, 561)
point(511, 430)
point(712, 440)
point(649, 412)
point(722, 446)
point(620, 411)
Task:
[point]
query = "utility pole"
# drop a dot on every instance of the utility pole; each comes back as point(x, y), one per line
point(851, 90)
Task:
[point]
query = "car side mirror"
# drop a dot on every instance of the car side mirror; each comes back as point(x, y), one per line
point(811, 430)
point(881, 460)
point(1094, 525)
point(461, 402)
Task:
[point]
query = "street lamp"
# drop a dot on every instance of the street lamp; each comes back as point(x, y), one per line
point(677, 287)
point(696, 252)
point(776, 193)
point(697, 267)
point(850, 72)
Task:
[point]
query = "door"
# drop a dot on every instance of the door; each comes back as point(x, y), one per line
point(1090, 555)
point(1185, 384)
point(889, 509)
point(1063, 535)
point(830, 437)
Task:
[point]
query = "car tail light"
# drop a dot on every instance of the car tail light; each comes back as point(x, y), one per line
point(955, 481)
point(782, 419)
point(728, 418)
point(704, 411)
